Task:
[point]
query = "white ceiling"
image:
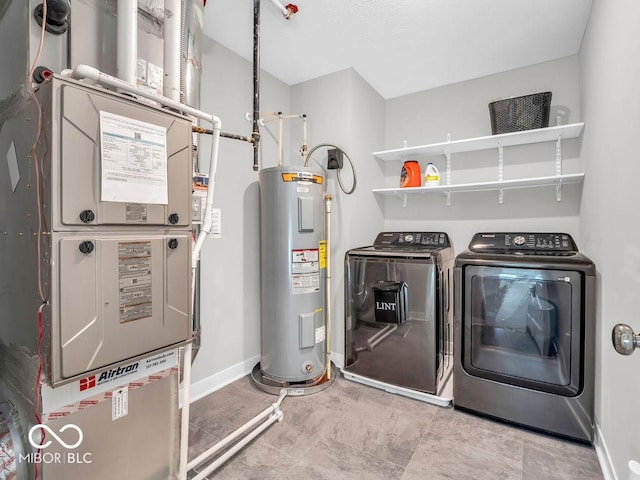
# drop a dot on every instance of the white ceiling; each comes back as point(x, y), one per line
point(401, 46)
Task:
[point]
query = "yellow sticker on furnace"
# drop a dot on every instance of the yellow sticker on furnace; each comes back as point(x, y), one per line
point(322, 247)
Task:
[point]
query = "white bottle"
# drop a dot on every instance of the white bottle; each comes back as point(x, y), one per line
point(431, 176)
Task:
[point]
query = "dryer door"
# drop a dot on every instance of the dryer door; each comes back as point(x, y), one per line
point(523, 327)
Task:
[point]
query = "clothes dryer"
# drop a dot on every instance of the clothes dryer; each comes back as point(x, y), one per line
point(399, 314)
point(524, 331)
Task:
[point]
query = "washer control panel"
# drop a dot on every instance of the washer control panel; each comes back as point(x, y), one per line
point(413, 240)
point(511, 242)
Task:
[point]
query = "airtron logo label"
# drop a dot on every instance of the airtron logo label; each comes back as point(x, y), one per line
point(94, 380)
point(87, 383)
point(386, 306)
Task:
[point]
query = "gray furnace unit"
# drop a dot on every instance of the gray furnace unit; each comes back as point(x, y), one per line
point(292, 278)
point(101, 230)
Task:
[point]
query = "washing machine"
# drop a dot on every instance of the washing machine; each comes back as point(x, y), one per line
point(524, 332)
point(399, 314)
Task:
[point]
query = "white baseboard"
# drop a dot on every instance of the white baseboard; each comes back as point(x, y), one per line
point(603, 456)
point(221, 379)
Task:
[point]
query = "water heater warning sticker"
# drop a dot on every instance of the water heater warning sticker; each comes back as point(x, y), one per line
point(305, 271)
point(323, 253)
point(134, 268)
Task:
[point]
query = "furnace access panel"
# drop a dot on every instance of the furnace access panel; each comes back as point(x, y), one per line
point(116, 232)
point(117, 162)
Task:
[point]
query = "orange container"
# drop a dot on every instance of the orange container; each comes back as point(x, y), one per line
point(410, 175)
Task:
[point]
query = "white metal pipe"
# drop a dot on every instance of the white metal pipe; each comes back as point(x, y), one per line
point(207, 224)
point(203, 457)
point(276, 417)
point(328, 283)
point(91, 73)
point(279, 116)
point(303, 149)
point(127, 41)
point(274, 408)
point(172, 49)
point(282, 9)
point(184, 424)
point(280, 146)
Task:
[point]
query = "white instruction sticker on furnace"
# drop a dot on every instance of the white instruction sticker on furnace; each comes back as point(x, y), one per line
point(133, 160)
point(216, 223)
point(119, 403)
point(134, 275)
point(305, 271)
point(321, 334)
point(154, 77)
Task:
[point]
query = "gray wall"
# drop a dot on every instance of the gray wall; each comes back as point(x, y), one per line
point(231, 265)
point(608, 217)
point(343, 109)
point(462, 110)
point(596, 87)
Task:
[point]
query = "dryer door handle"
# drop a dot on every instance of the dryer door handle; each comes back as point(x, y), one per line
point(625, 341)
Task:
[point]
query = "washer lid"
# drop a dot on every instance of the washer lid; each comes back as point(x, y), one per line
point(523, 243)
point(411, 241)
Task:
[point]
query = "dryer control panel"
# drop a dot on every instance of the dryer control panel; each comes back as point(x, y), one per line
point(512, 242)
point(412, 240)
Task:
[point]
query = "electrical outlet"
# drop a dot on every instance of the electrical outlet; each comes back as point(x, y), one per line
point(334, 159)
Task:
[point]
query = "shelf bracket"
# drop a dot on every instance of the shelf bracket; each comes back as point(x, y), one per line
point(447, 195)
point(559, 155)
point(559, 168)
point(500, 194)
point(403, 197)
point(448, 155)
point(500, 165)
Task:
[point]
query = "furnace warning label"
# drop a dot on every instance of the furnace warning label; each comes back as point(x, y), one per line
point(134, 268)
point(305, 271)
point(136, 213)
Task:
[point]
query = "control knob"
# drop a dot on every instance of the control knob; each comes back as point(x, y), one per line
point(519, 240)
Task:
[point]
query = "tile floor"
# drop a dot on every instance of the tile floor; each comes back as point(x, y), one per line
point(351, 431)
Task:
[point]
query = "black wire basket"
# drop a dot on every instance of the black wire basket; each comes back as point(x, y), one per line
point(520, 113)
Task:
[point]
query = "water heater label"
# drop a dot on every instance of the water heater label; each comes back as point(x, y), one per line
point(134, 269)
point(323, 253)
point(305, 271)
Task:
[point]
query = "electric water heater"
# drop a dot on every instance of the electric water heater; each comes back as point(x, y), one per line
point(293, 252)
